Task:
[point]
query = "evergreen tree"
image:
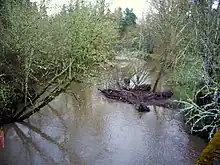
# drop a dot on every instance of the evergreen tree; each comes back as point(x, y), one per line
point(128, 20)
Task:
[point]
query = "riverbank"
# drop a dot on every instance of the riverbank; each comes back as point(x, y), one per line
point(89, 129)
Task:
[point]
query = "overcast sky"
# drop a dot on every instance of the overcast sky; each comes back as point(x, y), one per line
point(139, 6)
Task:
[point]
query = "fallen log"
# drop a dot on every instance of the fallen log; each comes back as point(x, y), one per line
point(143, 87)
point(120, 95)
point(140, 98)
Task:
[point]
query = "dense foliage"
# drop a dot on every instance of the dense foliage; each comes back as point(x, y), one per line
point(184, 37)
point(38, 50)
point(187, 44)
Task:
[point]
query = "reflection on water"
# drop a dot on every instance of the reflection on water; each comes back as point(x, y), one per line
point(92, 130)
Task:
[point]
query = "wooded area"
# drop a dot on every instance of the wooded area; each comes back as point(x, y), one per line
point(38, 50)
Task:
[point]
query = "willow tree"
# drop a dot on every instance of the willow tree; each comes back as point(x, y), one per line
point(203, 111)
point(164, 23)
point(187, 39)
point(49, 50)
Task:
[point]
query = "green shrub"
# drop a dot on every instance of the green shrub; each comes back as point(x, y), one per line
point(40, 48)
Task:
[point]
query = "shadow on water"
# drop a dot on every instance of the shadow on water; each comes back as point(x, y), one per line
point(92, 130)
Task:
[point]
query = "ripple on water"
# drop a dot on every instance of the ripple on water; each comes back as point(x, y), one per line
point(99, 132)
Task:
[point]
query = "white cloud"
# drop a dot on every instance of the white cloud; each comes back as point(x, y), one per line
point(139, 6)
point(215, 5)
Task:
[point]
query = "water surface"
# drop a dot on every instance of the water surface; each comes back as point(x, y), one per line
point(92, 130)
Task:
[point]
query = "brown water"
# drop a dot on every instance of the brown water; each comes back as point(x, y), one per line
point(97, 131)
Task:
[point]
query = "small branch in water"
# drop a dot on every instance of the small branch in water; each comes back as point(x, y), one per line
point(158, 78)
point(117, 83)
point(160, 72)
point(40, 94)
point(48, 99)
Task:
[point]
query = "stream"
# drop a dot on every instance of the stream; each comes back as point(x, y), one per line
point(85, 128)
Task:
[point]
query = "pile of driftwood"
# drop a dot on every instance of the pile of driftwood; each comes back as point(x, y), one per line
point(140, 96)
